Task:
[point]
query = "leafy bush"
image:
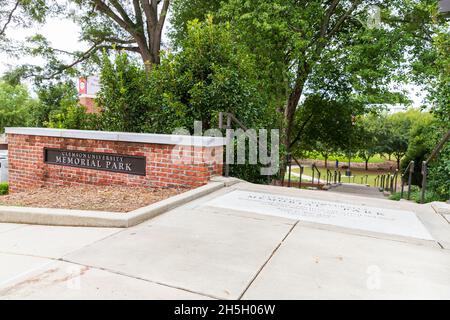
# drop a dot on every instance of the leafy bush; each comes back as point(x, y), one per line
point(54, 99)
point(4, 188)
point(439, 174)
point(74, 117)
point(423, 137)
point(123, 94)
point(430, 195)
point(15, 104)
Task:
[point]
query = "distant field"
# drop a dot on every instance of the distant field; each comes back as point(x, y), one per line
point(358, 174)
point(341, 158)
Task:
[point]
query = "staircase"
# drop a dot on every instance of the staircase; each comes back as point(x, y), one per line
point(357, 190)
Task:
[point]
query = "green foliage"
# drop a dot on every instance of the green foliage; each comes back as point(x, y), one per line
point(54, 98)
point(123, 94)
point(430, 196)
point(15, 103)
point(74, 117)
point(212, 74)
point(4, 188)
point(423, 137)
point(370, 136)
point(439, 174)
point(325, 125)
point(184, 11)
point(58, 107)
point(397, 131)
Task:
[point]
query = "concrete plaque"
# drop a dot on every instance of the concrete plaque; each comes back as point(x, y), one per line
point(97, 161)
point(388, 221)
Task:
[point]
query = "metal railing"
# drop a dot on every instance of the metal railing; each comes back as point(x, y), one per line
point(230, 119)
point(314, 170)
point(329, 176)
point(408, 172)
point(386, 182)
point(364, 177)
point(289, 159)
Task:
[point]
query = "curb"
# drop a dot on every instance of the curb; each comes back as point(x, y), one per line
point(83, 218)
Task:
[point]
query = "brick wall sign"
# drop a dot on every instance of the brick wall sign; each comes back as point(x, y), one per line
point(54, 157)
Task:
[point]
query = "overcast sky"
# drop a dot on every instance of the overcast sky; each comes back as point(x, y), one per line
point(63, 34)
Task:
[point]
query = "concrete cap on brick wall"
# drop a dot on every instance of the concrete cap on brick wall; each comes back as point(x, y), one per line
point(197, 141)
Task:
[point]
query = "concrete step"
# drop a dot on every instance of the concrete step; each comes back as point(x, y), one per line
point(359, 190)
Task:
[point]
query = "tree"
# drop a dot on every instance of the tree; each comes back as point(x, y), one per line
point(21, 13)
point(370, 137)
point(123, 94)
point(423, 136)
point(398, 135)
point(184, 11)
point(325, 125)
point(18, 14)
point(52, 98)
point(15, 103)
point(134, 26)
point(212, 73)
point(314, 46)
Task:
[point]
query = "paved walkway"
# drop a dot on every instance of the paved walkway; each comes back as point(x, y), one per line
point(358, 190)
point(204, 251)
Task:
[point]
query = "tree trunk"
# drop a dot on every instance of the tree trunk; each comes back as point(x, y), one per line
point(289, 116)
point(146, 56)
point(291, 107)
point(326, 161)
point(367, 164)
point(398, 162)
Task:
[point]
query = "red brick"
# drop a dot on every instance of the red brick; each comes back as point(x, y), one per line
point(27, 169)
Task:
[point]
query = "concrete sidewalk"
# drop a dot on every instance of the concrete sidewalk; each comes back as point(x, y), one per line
point(201, 251)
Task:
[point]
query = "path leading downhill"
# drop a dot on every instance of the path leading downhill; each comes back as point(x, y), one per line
point(358, 190)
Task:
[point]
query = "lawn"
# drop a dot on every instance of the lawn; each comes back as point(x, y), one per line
point(358, 174)
point(317, 156)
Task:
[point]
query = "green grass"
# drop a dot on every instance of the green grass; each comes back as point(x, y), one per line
point(415, 195)
point(4, 188)
point(317, 156)
point(323, 175)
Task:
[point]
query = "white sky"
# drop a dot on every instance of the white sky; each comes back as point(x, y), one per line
point(63, 34)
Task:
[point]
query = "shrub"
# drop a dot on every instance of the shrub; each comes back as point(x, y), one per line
point(430, 195)
point(74, 117)
point(4, 188)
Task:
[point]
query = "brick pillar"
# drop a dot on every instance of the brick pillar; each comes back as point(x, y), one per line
point(89, 102)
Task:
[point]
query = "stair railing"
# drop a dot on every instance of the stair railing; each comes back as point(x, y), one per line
point(329, 176)
point(230, 118)
point(289, 159)
point(408, 172)
point(314, 170)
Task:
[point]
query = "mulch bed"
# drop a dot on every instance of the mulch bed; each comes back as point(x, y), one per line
point(98, 198)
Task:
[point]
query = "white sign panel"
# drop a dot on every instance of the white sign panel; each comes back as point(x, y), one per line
point(89, 86)
point(395, 222)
